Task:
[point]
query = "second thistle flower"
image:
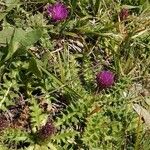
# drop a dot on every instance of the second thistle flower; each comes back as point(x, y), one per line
point(105, 79)
point(58, 11)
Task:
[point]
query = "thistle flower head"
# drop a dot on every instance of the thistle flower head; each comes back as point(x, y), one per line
point(46, 131)
point(124, 13)
point(105, 79)
point(57, 11)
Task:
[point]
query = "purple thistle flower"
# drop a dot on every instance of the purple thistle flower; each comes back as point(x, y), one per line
point(57, 11)
point(46, 131)
point(105, 79)
point(124, 13)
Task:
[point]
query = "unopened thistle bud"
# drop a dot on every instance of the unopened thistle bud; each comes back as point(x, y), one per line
point(46, 131)
point(124, 13)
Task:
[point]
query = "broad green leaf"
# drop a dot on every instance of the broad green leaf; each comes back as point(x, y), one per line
point(31, 37)
point(21, 38)
point(14, 42)
point(5, 35)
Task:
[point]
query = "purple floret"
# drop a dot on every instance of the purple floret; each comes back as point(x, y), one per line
point(57, 11)
point(105, 79)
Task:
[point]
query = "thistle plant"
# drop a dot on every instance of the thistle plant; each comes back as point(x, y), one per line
point(53, 60)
